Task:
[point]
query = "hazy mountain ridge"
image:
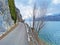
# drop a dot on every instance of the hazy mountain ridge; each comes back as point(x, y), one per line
point(55, 17)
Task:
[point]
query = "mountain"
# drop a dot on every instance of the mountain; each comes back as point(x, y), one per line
point(55, 17)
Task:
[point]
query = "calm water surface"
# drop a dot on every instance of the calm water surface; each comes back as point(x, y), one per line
point(51, 32)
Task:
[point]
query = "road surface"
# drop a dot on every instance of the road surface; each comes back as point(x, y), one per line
point(17, 37)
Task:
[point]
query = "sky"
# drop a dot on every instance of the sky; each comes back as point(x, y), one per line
point(26, 7)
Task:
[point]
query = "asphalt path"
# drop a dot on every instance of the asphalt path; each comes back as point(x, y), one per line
point(17, 37)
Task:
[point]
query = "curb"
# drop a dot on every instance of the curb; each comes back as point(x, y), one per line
point(7, 32)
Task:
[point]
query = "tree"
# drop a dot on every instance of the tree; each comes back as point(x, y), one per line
point(12, 10)
point(42, 6)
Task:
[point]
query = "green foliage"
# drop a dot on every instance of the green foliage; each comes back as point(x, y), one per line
point(12, 10)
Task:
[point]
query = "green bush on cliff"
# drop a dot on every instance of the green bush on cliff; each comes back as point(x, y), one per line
point(12, 10)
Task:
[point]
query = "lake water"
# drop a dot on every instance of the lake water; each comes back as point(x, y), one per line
point(51, 32)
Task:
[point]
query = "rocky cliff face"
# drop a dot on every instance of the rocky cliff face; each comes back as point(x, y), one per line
point(5, 15)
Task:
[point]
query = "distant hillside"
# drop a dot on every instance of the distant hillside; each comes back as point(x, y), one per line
point(55, 17)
